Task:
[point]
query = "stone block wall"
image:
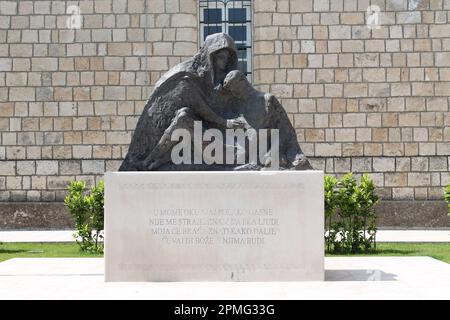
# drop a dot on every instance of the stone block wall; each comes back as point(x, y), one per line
point(362, 100)
point(367, 101)
point(70, 99)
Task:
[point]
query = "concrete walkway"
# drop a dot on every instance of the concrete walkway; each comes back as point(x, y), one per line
point(413, 236)
point(37, 236)
point(382, 236)
point(346, 278)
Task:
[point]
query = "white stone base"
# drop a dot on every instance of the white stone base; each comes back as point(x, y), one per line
point(214, 226)
point(348, 278)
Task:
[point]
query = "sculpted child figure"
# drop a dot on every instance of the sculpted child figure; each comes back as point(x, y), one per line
point(263, 111)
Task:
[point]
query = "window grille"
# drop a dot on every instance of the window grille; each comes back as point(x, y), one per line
point(233, 17)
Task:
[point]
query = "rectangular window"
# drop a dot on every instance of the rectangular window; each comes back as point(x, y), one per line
point(238, 33)
point(233, 17)
point(213, 16)
point(237, 15)
point(211, 30)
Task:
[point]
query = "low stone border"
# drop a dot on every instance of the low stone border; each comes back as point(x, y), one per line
point(392, 215)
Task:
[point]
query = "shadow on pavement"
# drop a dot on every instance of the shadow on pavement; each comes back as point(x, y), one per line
point(359, 275)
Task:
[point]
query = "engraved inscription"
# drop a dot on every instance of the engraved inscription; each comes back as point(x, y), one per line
point(219, 226)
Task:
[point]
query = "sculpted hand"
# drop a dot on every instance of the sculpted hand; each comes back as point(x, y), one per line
point(236, 124)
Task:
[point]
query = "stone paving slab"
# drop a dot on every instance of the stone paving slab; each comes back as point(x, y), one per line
point(382, 236)
point(346, 278)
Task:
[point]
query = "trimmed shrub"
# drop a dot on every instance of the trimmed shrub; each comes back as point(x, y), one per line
point(447, 197)
point(87, 210)
point(350, 220)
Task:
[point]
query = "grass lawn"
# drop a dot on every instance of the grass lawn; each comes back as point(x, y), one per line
point(42, 250)
point(440, 251)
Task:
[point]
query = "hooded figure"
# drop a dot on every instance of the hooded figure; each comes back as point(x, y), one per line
point(203, 63)
point(187, 90)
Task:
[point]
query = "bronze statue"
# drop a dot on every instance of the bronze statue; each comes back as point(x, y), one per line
point(208, 90)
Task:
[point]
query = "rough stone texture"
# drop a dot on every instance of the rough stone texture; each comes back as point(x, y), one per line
point(34, 216)
point(413, 214)
point(391, 214)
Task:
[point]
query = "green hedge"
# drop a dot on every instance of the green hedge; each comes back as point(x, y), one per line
point(350, 221)
point(447, 197)
point(86, 207)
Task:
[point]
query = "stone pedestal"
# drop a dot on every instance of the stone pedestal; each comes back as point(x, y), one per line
point(214, 226)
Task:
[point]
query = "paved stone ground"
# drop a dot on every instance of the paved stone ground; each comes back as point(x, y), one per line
point(382, 236)
point(346, 278)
